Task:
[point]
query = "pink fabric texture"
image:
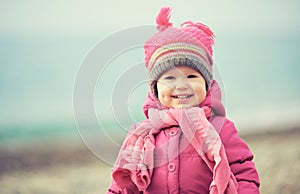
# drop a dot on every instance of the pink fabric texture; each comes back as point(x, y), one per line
point(135, 162)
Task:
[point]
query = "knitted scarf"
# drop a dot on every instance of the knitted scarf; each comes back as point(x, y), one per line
point(135, 162)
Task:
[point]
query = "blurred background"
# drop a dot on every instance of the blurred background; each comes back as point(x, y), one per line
point(42, 47)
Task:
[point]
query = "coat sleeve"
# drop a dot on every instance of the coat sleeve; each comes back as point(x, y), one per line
point(130, 189)
point(240, 159)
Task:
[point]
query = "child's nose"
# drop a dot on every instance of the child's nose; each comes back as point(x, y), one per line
point(182, 84)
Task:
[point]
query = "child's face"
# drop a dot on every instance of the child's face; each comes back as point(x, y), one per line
point(181, 87)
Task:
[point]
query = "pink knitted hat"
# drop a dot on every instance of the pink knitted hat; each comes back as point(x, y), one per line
point(189, 45)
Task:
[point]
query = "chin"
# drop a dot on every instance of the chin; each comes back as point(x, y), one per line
point(184, 106)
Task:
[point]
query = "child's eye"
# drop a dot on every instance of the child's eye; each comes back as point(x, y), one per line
point(192, 76)
point(169, 77)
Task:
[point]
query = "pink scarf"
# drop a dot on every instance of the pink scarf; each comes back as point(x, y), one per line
point(135, 162)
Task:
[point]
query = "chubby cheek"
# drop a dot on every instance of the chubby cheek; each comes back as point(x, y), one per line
point(200, 94)
point(164, 94)
point(164, 100)
point(201, 98)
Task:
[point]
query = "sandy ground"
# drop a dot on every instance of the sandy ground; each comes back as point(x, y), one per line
point(66, 169)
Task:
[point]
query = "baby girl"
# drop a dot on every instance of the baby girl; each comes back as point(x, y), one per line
point(186, 144)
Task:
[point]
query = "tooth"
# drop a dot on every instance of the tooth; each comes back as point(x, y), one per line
point(182, 97)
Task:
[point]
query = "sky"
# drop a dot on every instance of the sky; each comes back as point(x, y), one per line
point(82, 18)
point(43, 44)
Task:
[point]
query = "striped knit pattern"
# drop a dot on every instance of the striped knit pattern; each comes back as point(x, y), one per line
point(179, 54)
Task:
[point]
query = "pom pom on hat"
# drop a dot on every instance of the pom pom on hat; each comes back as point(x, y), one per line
point(162, 19)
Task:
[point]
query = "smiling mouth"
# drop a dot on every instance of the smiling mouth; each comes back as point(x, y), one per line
point(182, 96)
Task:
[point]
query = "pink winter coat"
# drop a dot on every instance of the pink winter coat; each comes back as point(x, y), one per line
point(188, 173)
